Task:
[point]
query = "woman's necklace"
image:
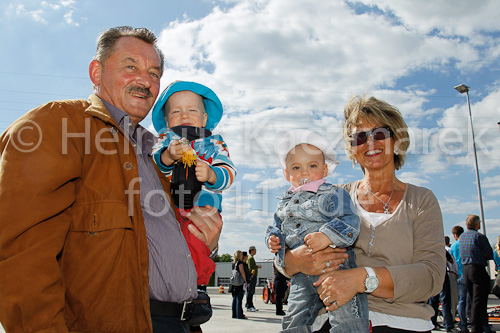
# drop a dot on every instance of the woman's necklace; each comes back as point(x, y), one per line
point(386, 204)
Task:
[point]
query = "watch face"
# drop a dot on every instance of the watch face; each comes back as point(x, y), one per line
point(371, 283)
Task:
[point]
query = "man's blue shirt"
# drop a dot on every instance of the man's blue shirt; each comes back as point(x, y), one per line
point(455, 252)
point(475, 248)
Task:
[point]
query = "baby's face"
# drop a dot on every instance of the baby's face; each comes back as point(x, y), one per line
point(185, 108)
point(305, 162)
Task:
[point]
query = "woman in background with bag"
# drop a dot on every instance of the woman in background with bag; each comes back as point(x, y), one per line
point(238, 280)
point(496, 258)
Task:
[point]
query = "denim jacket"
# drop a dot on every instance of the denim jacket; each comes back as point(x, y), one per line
point(330, 211)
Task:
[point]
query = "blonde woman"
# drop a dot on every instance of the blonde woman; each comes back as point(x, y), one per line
point(238, 291)
point(399, 251)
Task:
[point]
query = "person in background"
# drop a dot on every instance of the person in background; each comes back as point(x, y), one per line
point(496, 254)
point(95, 249)
point(445, 295)
point(457, 231)
point(238, 291)
point(254, 270)
point(399, 251)
point(452, 272)
point(475, 251)
point(280, 284)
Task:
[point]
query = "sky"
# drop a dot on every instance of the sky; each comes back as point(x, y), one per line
point(278, 65)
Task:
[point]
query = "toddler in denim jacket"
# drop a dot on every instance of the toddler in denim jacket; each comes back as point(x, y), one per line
point(317, 214)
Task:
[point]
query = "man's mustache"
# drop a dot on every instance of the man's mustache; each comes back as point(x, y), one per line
point(141, 90)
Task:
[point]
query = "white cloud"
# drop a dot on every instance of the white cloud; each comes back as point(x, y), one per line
point(48, 12)
point(36, 15)
point(280, 64)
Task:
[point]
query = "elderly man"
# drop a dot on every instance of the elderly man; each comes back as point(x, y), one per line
point(82, 204)
point(475, 251)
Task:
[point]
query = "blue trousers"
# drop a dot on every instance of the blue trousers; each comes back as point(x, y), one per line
point(169, 325)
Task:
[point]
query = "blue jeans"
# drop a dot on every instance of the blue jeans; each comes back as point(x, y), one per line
point(462, 302)
point(237, 306)
point(304, 304)
point(445, 297)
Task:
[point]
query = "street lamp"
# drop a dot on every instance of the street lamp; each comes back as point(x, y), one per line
point(462, 88)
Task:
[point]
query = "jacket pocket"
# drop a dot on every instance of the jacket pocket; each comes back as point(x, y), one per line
point(100, 266)
point(97, 217)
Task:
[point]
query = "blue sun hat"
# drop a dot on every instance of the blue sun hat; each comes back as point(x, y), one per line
point(213, 106)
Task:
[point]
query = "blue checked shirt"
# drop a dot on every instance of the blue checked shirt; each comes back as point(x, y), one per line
point(475, 248)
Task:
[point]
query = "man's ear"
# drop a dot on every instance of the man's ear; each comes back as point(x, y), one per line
point(95, 70)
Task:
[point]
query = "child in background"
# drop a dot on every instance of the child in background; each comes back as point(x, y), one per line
point(198, 162)
point(317, 214)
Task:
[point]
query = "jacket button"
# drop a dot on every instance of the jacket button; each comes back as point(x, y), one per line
point(290, 214)
point(350, 235)
point(298, 225)
point(297, 201)
point(127, 165)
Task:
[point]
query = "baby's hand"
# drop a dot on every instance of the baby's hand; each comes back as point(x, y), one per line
point(317, 241)
point(204, 173)
point(274, 244)
point(173, 152)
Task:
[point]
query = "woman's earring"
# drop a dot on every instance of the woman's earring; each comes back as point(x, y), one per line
point(396, 150)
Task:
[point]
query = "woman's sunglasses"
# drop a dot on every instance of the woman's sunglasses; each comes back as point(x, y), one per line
point(379, 133)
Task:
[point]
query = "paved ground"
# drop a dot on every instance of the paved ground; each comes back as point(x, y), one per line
point(262, 321)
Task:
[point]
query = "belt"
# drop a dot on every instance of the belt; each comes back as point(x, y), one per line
point(183, 311)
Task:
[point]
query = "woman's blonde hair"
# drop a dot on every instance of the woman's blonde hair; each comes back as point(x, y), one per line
point(497, 247)
point(373, 110)
point(236, 255)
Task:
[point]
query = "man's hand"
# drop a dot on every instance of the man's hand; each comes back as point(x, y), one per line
point(204, 173)
point(317, 241)
point(207, 225)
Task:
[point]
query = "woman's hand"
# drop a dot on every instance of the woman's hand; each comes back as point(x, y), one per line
point(336, 288)
point(207, 225)
point(303, 260)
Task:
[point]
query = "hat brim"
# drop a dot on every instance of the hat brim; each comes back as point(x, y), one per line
point(213, 106)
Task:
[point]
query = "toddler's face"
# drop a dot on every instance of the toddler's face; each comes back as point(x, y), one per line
point(306, 162)
point(185, 108)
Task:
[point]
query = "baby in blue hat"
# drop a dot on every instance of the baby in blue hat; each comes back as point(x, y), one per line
point(184, 116)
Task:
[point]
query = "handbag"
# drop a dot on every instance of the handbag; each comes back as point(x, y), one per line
point(236, 279)
point(496, 287)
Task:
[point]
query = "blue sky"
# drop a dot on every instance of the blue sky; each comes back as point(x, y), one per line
point(284, 64)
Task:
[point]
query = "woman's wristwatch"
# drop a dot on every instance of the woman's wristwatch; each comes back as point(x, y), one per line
point(371, 281)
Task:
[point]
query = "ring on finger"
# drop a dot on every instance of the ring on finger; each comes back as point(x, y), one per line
point(335, 302)
point(326, 299)
point(323, 271)
point(328, 264)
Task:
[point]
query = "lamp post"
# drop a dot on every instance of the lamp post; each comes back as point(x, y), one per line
point(462, 88)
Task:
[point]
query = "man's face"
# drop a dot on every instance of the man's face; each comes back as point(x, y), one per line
point(130, 78)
